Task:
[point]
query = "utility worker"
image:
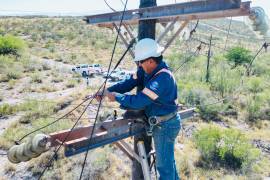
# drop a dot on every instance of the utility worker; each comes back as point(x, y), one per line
point(158, 99)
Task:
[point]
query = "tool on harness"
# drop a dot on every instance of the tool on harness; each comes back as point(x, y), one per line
point(152, 121)
point(155, 120)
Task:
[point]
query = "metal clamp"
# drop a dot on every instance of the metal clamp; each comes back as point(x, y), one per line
point(152, 121)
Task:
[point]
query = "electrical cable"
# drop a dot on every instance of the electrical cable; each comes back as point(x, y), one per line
point(56, 151)
point(45, 117)
point(188, 58)
point(109, 6)
point(65, 138)
point(55, 102)
point(92, 132)
point(17, 142)
point(120, 60)
point(194, 29)
point(92, 98)
point(258, 52)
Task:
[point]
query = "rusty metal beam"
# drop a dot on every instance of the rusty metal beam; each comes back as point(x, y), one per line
point(107, 132)
point(204, 9)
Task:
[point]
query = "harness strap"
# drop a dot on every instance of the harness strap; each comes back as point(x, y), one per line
point(152, 94)
point(165, 71)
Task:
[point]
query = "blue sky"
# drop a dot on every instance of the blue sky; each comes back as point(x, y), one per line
point(81, 7)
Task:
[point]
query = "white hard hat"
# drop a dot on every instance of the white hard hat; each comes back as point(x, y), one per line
point(146, 48)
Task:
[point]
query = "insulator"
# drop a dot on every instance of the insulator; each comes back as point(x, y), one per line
point(28, 150)
point(39, 143)
point(259, 21)
point(12, 154)
point(31, 149)
point(20, 153)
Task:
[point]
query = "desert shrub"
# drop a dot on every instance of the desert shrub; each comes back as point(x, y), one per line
point(197, 94)
point(35, 110)
point(71, 83)
point(7, 109)
point(11, 83)
point(46, 66)
point(5, 62)
point(239, 56)
point(57, 79)
point(36, 78)
point(9, 69)
point(211, 111)
point(255, 85)
point(47, 88)
point(192, 93)
point(260, 68)
point(10, 45)
point(13, 74)
point(174, 59)
point(30, 65)
point(224, 81)
point(227, 147)
point(253, 108)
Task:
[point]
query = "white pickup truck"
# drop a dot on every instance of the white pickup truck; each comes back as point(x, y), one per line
point(120, 75)
point(84, 70)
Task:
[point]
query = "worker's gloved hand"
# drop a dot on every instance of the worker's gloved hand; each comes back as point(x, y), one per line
point(111, 96)
point(100, 94)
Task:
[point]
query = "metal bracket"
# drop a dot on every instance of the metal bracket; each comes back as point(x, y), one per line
point(125, 37)
point(168, 28)
point(180, 29)
point(201, 9)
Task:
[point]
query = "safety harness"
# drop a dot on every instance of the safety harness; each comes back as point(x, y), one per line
point(155, 120)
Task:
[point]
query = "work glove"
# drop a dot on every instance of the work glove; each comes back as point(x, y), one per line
point(99, 95)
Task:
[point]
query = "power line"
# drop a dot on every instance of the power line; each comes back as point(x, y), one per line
point(92, 97)
point(52, 122)
point(75, 104)
point(109, 6)
point(50, 161)
point(109, 67)
point(264, 46)
point(188, 58)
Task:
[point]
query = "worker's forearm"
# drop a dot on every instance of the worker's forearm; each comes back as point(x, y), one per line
point(138, 101)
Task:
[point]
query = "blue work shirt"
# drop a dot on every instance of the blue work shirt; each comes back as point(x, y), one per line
point(159, 96)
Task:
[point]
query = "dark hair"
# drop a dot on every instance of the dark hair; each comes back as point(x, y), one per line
point(157, 59)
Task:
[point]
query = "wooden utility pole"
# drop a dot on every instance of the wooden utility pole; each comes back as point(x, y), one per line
point(146, 29)
point(208, 60)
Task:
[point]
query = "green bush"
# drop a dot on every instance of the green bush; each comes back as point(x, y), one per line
point(174, 59)
point(36, 78)
point(224, 81)
point(211, 111)
point(10, 45)
point(239, 56)
point(198, 94)
point(255, 85)
point(13, 74)
point(71, 83)
point(7, 109)
point(253, 108)
point(227, 148)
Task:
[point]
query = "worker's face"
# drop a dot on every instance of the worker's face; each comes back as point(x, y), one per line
point(148, 65)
